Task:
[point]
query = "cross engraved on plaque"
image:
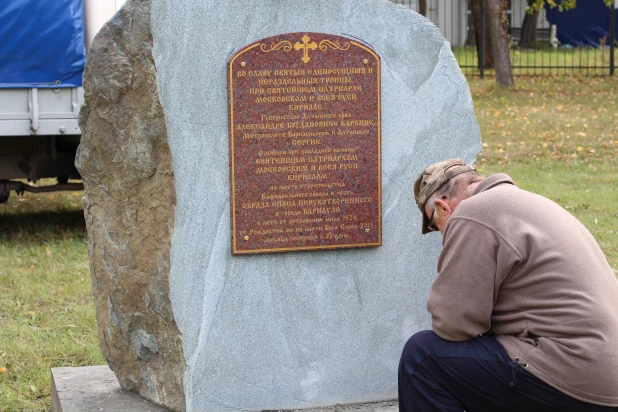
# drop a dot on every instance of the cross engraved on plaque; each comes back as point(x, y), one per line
point(305, 46)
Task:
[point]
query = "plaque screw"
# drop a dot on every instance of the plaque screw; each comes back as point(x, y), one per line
point(367, 230)
point(246, 238)
point(366, 61)
point(243, 64)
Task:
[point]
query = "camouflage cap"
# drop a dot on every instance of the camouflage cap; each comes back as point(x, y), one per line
point(432, 178)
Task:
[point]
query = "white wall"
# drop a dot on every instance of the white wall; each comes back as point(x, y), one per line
point(451, 16)
point(96, 13)
point(448, 15)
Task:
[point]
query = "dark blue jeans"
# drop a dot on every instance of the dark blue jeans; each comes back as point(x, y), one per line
point(474, 376)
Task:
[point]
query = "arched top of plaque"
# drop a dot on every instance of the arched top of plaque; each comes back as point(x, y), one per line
point(305, 168)
point(306, 46)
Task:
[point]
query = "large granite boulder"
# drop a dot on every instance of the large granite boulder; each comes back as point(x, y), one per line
point(180, 319)
point(125, 162)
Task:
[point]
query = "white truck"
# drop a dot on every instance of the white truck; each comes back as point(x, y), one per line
point(42, 55)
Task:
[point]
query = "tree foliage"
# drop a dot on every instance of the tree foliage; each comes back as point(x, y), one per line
point(563, 5)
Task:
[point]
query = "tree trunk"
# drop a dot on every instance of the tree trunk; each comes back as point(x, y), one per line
point(527, 39)
point(422, 7)
point(476, 14)
point(499, 42)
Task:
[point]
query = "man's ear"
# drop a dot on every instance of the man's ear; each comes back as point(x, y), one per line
point(444, 205)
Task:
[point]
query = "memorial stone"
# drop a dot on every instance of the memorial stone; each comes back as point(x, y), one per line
point(195, 319)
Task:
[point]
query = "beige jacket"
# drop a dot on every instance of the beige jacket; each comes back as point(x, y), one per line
point(518, 266)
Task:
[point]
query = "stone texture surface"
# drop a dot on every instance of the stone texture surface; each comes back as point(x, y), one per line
point(94, 388)
point(125, 162)
point(300, 329)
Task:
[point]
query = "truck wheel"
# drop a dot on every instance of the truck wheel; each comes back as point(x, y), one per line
point(62, 179)
point(4, 191)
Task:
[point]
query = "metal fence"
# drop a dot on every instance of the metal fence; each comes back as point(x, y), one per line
point(545, 56)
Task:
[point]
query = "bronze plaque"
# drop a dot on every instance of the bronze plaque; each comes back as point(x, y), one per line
point(305, 144)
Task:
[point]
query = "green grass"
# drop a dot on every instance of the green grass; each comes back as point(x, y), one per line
point(47, 317)
point(555, 136)
point(545, 60)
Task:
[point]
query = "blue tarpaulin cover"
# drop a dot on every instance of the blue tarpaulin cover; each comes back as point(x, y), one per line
point(584, 25)
point(41, 43)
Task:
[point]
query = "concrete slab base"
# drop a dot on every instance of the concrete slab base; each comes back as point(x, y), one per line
point(357, 407)
point(95, 388)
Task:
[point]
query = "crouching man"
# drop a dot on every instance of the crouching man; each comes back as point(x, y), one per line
point(524, 308)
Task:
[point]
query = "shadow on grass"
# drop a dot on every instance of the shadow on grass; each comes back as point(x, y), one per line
point(42, 226)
